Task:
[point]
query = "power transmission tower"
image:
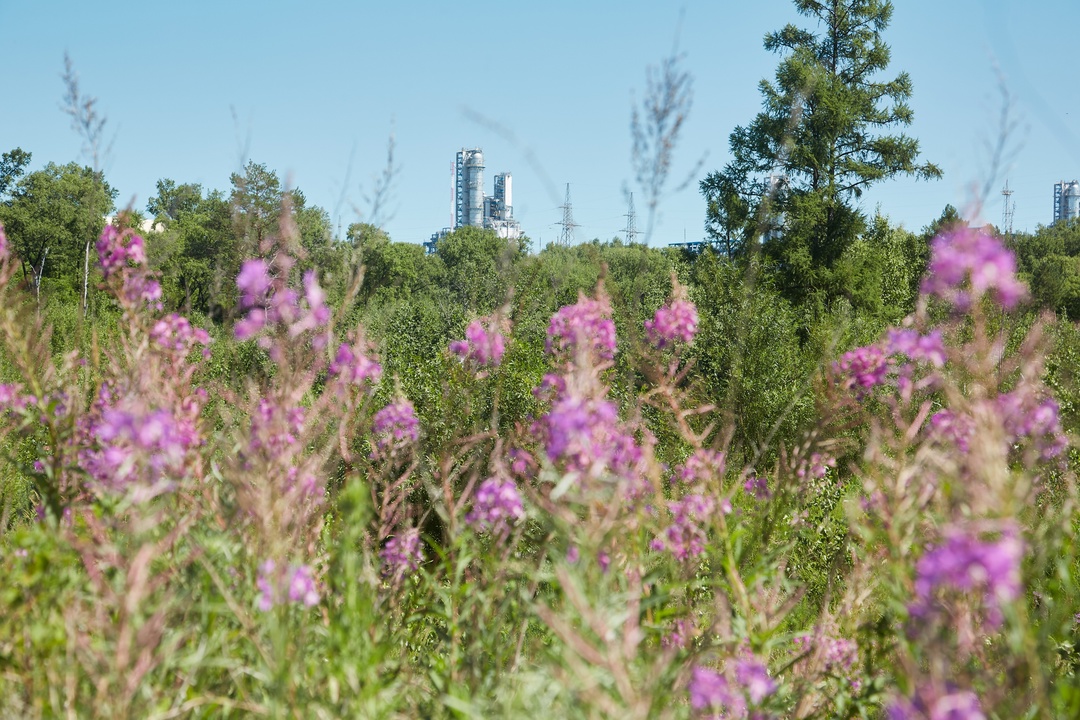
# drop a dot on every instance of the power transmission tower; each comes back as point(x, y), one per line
point(566, 237)
point(631, 222)
point(1007, 211)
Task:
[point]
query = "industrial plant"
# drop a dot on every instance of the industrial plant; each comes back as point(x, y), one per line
point(471, 207)
point(1066, 200)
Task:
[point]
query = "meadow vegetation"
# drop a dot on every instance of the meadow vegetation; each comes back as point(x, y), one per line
point(820, 468)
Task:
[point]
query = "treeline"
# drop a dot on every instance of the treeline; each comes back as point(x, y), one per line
point(761, 342)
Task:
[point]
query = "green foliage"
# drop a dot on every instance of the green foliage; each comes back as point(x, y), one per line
point(816, 146)
point(52, 216)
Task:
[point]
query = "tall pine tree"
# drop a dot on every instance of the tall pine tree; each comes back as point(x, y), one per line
point(821, 139)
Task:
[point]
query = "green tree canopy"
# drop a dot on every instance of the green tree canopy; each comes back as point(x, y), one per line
point(820, 141)
point(52, 214)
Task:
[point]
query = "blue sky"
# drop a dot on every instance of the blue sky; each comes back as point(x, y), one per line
point(193, 89)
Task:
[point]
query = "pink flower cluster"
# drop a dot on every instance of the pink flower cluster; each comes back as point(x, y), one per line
point(275, 428)
point(496, 506)
point(971, 256)
point(12, 398)
point(130, 448)
point(703, 465)
point(116, 249)
point(5, 252)
point(402, 554)
point(926, 348)
point(837, 654)
point(1024, 416)
point(176, 334)
point(296, 585)
point(280, 306)
point(932, 703)
point(353, 367)
point(673, 323)
point(965, 563)
point(585, 326)
point(709, 690)
point(483, 346)
point(864, 367)
point(584, 435)
point(685, 538)
point(395, 427)
point(945, 425)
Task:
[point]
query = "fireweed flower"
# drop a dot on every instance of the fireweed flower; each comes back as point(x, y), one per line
point(864, 367)
point(709, 690)
point(296, 585)
point(1023, 416)
point(175, 333)
point(838, 655)
point(481, 346)
point(753, 676)
point(970, 256)
point(395, 427)
point(964, 563)
point(673, 323)
point(253, 282)
point(927, 348)
point(816, 467)
point(496, 506)
point(585, 436)
point(402, 554)
point(354, 367)
point(685, 537)
point(945, 425)
point(584, 326)
point(5, 252)
point(702, 466)
point(758, 486)
point(931, 704)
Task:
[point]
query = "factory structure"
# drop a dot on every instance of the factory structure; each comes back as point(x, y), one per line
point(1066, 200)
point(471, 207)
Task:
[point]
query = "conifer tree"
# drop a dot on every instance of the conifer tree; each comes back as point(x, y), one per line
point(826, 132)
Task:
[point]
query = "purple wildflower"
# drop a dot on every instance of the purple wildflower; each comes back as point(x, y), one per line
point(1024, 417)
point(929, 348)
point(709, 690)
point(930, 704)
point(965, 563)
point(496, 506)
point(685, 537)
point(302, 586)
point(402, 554)
point(758, 486)
point(967, 254)
point(395, 427)
point(174, 332)
point(864, 367)
point(951, 427)
point(673, 323)
point(482, 346)
point(354, 367)
point(754, 678)
point(584, 326)
point(702, 466)
point(585, 436)
point(5, 252)
point(253, 282)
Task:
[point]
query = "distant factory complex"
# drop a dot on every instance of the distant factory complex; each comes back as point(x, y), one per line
point(1066, 200)
point(471, 207)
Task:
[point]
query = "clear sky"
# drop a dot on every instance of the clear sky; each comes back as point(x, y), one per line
point(194, 89)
